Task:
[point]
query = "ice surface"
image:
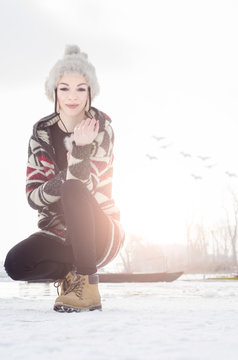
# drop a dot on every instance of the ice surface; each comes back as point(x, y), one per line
point(173, 321)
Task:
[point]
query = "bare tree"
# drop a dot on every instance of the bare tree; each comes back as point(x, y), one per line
point(232, 224)
point(140, 256)
point(219, 240)
point(127, 254)
point(197, 243)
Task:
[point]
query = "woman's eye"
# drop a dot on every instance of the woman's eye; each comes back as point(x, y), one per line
point(79, 89)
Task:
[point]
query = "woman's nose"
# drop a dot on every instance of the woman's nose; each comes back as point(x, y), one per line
point(73, 94)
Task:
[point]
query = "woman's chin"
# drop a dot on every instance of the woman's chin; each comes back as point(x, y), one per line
point(72, 112)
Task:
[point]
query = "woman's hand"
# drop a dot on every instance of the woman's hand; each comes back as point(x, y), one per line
point(86, 131)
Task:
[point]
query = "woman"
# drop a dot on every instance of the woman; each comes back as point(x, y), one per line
point(69, 182)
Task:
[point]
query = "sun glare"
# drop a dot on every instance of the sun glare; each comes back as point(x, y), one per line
point(158, 199)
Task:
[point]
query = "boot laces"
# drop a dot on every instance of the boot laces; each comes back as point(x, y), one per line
point(62, 283)
point(57, 284)
point(76, 286)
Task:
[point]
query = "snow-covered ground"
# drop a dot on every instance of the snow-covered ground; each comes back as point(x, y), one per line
point(174, 321)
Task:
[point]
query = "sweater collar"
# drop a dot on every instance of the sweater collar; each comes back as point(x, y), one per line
point(41, 131)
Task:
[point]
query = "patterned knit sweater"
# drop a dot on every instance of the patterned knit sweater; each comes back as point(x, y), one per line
point(91, 164)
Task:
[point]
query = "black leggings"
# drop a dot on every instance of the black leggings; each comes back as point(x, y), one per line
point(43, 257)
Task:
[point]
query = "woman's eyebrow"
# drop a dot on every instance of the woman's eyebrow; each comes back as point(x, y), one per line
point(77, 85)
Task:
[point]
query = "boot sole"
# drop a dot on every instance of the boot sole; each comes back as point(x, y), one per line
point(69, 309)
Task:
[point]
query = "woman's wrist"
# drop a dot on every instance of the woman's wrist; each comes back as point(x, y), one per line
point(79, 143)
point(81, 151)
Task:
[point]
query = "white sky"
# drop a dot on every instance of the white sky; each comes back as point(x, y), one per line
point(166, 68)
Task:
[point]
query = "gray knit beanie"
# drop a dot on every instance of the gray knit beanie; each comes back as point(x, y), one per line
point(74, 61)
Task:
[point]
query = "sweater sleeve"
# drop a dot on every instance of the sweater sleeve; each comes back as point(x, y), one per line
point(42, 186)
point(90, 162)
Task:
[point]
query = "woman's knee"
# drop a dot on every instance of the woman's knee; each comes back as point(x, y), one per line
point(18, 257)
point(11, 264)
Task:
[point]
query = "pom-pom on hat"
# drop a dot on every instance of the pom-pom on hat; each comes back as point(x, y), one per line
point(74, 61)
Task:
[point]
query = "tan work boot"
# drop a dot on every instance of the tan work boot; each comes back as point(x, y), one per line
point(81, 295)
point(63, 283)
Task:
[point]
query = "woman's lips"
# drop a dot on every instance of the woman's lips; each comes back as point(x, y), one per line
point(73, 106)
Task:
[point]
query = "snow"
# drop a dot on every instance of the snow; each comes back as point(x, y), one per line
point(185, 319)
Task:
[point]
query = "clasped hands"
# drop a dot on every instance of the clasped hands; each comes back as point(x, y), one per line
point(85, 132)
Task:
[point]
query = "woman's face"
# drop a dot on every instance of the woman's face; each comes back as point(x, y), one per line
point(72, 94)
